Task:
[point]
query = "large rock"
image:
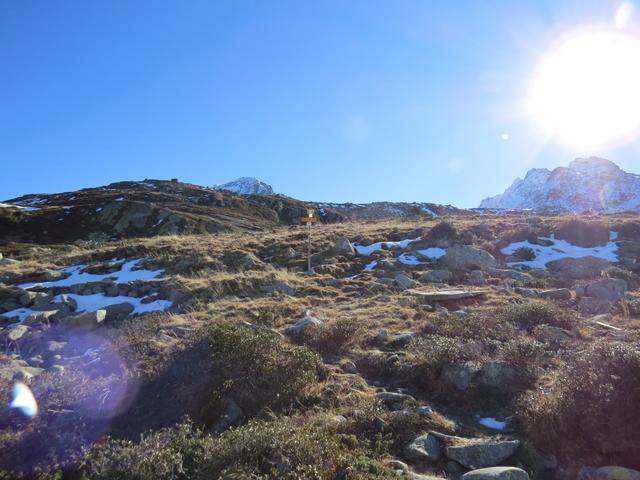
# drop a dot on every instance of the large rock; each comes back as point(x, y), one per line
point(343, 247)
point(444, 295)
point(85, 319)
point(608, 473)
point(496, 473)
point(459, 375)
point(467, 257)
point(497, 374)
point(119, 309)
point(404, 281)
point(611, 289)
point(16, 332)
point(436, 276)
point(578, 268)
point(424, 448)
point(555, 294)
point(482, 453)
point(303, 326)
point(391, 399)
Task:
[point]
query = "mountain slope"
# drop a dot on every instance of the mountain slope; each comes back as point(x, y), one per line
point(247, 186)
point(587, 184)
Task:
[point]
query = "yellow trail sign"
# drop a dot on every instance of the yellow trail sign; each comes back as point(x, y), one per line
point(309, 219)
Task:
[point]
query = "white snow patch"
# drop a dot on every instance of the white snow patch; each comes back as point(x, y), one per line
point(432, 252)
point(119, 199)
point(560, 249)
point(20, 313)
point(409, 259)
point(18, 207)
point(429, 211)
point(492, 423)
point(125, 274)
point(97, 301)
point(369, 249)
point(99, 209)
point(371, 265)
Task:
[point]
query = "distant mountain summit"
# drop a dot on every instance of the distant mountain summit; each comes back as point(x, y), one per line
point(587, 185)
point(247, 186)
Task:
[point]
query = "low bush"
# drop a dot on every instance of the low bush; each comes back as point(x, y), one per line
point(590, 409)
point(259, 450)
point(258, 369)
point(533, 313)
point(432, 352)
point(333, 338)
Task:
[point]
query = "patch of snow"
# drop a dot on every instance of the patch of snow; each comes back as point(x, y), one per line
point(369, 249)
point(119, 199)
point(409, 259)
point(18, 207)
point(99, 209)
point(560, 249)
point(432, 252)
point(19, 313)
point(492, 423)
point(371, 265)
point(97, 301)
point(125, 274)
point(428, 211)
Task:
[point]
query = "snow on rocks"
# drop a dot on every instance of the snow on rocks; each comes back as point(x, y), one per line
point(375, 247)
point(492, 423)
point(76, 274)
point(101, 301)
point(553, 249)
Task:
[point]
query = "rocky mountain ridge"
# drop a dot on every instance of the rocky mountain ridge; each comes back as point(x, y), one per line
point(247, 186)
point(587, 185)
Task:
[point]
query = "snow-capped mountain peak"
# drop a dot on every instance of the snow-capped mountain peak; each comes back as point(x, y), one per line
point(247, 186)
point(587, 184)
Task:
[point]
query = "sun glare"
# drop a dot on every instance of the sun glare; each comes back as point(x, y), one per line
point(587, 92)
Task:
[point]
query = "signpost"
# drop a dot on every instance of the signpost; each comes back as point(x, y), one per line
point(309, 219)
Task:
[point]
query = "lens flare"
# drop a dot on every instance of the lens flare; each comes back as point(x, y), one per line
point(586, 93)
point(24, 400)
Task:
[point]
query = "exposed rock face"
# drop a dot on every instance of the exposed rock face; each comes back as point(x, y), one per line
point(611, 289)
point(480, 454)
point(424, 448)
point(578, 268)
point(587, 184)
point(467, 257)
point(496, 473)
point(247, 186)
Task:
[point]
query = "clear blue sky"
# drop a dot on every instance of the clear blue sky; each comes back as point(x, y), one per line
point(326, 100)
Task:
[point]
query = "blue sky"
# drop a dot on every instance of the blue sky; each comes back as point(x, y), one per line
point(328, 100)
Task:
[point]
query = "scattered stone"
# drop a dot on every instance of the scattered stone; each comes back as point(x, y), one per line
point(496, 473)
point(16, 332)
point(40, 317)
point(555, 294)
point(497, 374)
point(392, 399)
point(552, 334)
point(302, 326)
point(404, 281)
point(27, 298)
point(424, 448)
point(476, 278)
point(458, 375)
point(118, 309)
point(26, 373)
point(443, 295)
point(482, 453)
point(348, 366)
point(403, 338)
point(467, 257)
point(86, 319)
point(436, 276)
point(343, 246)
point(278, 286)
point(594, 306)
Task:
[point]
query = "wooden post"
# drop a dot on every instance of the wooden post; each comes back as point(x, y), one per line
point(309, 219)
point(309, 248)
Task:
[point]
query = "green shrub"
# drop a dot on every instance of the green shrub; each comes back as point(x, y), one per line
point(433, 352)
point(333, 338)
point(277, 449)
point(590, 410)
point(533, 313)
point(259, 369)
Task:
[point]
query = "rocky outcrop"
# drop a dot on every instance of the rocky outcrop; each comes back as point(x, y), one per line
point(587, 184)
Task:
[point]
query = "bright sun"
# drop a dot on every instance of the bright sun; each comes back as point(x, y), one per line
point(587, 91)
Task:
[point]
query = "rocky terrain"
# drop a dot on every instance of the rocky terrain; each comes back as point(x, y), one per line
point(586, 185)
point(161, 207)
point(421, 347)
point(247, 186)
